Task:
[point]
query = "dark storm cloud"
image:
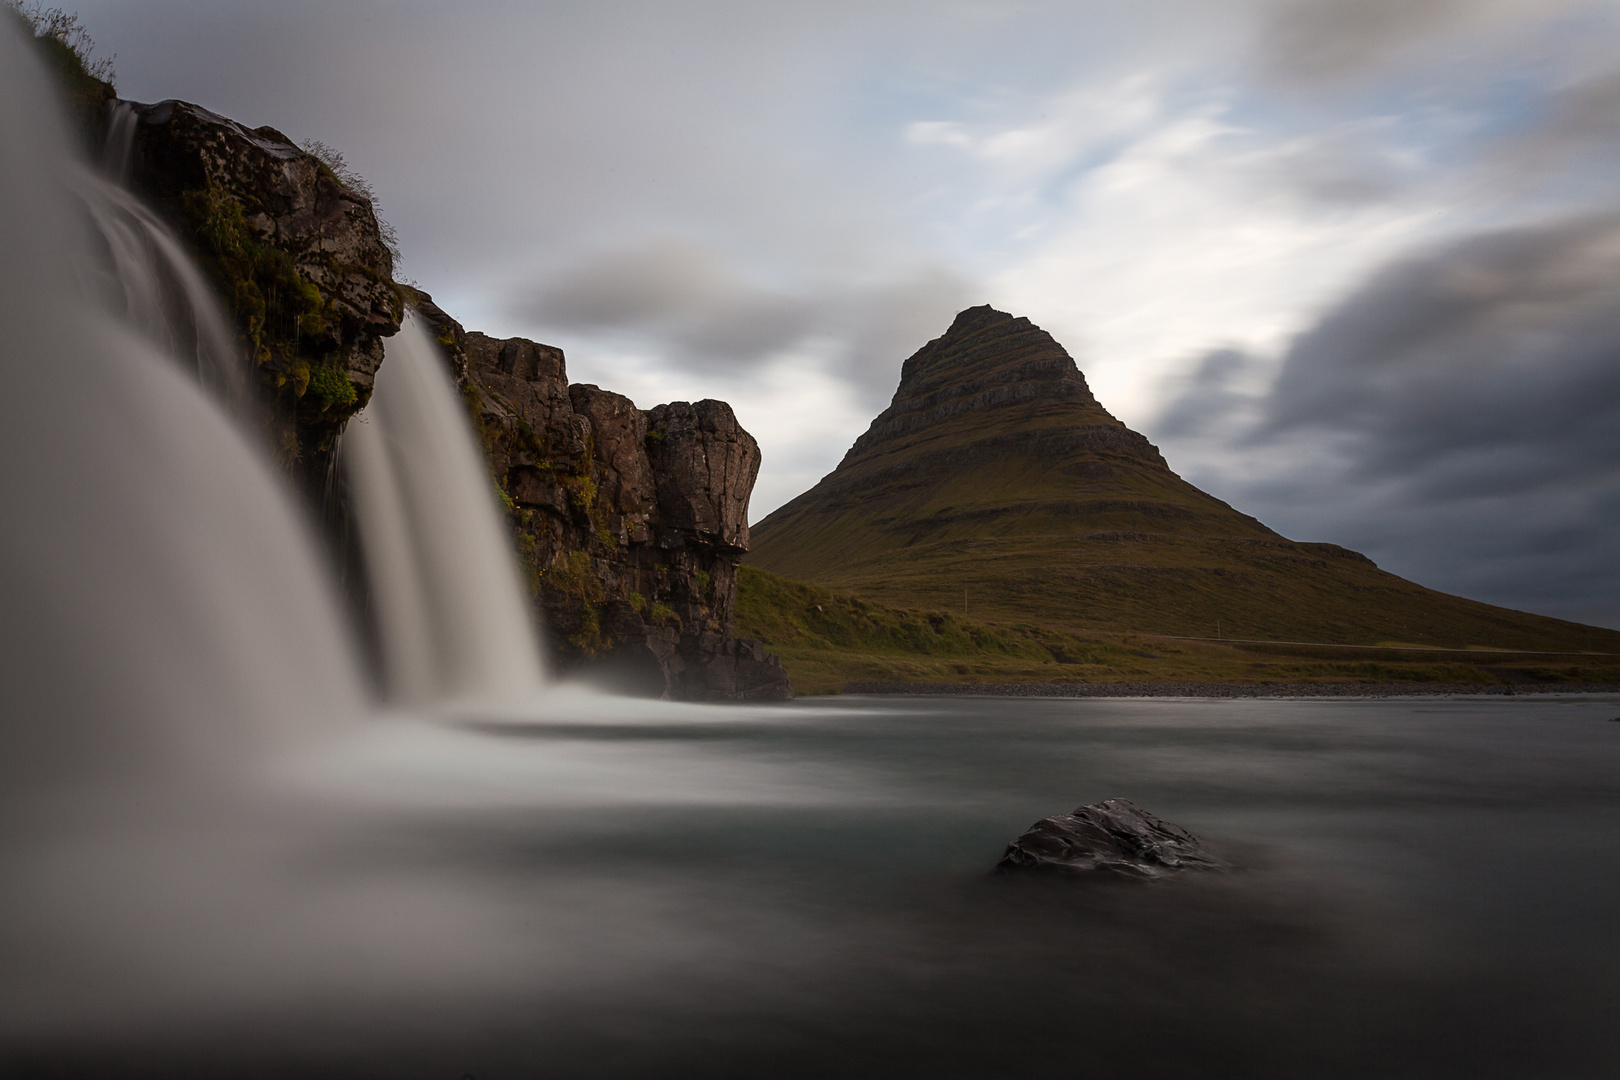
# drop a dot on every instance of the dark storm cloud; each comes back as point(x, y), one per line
point(1490, 365)
point(1457, 417)
point(1309, 40)
point(1207, 398)
point(685, 302)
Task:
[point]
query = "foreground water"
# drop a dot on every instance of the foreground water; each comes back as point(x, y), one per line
point(641, 889)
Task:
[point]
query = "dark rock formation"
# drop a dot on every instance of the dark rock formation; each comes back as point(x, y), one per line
point(298, 256)
point(1114, 837)
point(630, 524)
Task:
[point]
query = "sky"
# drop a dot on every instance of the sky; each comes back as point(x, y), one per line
point(1354, 265)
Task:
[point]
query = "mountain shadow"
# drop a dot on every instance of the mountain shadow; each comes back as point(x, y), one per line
point(996, 484)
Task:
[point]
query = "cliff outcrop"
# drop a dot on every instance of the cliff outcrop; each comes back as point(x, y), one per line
point(298, 256)
point(629, 524)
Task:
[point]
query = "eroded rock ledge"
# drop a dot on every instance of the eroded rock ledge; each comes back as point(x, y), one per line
point(298, 258)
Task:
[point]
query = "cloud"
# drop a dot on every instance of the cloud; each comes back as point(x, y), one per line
point(1328, 41)
point(687, 303)
point(1318, 39)
point(1491, 364)
point(680, 293)
point(1574, 135)
point(1457, 416)
point(1209, 399)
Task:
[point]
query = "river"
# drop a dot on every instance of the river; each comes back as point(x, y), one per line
point(1426, 888)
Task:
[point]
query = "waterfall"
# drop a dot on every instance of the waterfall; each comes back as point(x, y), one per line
point(119, 145)
point(140, 272)
point(452, 622)
point(164, 610)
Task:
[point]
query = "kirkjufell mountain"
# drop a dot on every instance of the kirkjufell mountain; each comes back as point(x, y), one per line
point(995, 480)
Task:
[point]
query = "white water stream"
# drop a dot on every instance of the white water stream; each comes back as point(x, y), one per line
point(453, 624)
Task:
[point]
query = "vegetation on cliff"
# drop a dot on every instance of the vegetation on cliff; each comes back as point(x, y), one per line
point(69, 52)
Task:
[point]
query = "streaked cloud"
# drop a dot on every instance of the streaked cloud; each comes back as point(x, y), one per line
point(1457, 411)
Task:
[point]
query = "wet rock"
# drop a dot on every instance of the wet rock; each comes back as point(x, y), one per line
point(1114, 837)
point(715, 667)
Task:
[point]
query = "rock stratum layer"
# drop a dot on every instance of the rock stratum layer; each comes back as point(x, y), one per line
point(629, 524)
point(994, 479)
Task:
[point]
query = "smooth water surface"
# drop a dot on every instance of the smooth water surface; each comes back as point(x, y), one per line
point(645, 889)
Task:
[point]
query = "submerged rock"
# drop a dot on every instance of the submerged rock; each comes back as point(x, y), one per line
point(1114, 837)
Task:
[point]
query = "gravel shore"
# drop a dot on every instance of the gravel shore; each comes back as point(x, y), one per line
point(1224, 690)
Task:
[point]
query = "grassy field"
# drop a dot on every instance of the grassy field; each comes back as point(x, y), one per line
point(828, 638)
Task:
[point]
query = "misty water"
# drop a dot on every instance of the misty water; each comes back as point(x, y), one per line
point(631, 888)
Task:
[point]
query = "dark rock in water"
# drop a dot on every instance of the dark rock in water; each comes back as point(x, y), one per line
point(1114, 837)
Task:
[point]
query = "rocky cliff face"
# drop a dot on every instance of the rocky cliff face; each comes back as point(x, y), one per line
point(630, 524)
point(299, 259)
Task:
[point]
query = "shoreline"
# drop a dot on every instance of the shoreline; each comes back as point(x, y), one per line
point(1222, 690)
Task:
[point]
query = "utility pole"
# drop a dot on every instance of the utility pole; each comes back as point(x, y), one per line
point(1217, 628)
point(964, 601)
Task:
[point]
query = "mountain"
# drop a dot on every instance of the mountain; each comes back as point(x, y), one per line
point(995, 483)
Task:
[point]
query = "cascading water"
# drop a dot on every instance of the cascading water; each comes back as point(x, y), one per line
point(172, 642)
point(162, 597)
point(449, 614)
point(451, 621)
point(142, 275)
point(117, 149)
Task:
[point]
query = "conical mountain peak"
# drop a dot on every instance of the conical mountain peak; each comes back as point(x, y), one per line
point(995, 476)
point(991, 373)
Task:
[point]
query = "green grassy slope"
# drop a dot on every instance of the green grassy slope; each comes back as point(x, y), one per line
point(995, 478)
point(829, 638)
